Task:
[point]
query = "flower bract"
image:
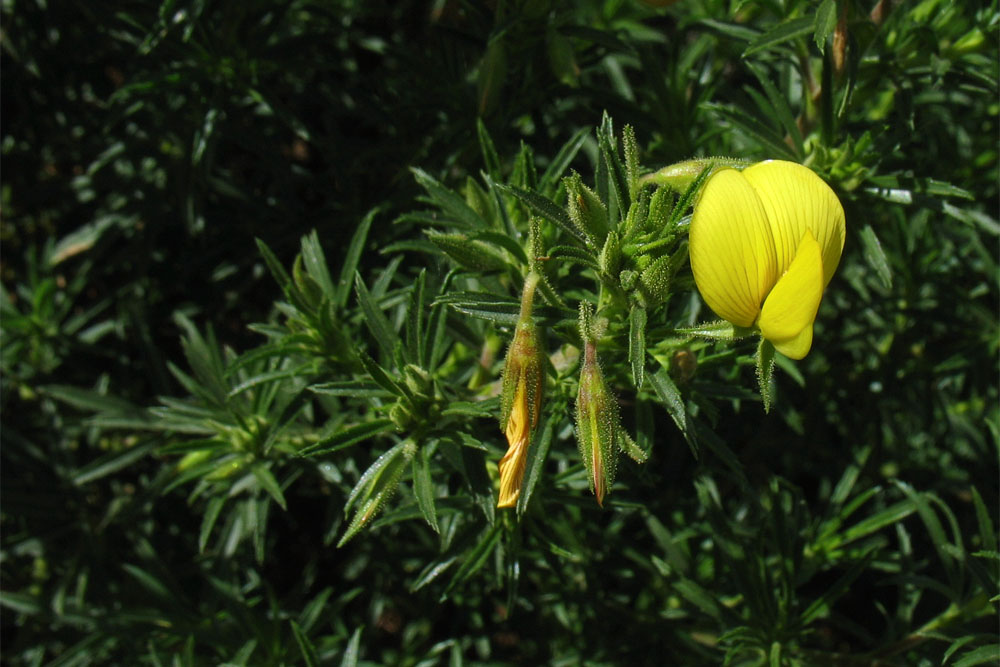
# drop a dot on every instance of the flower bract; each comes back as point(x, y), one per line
point(764, 243)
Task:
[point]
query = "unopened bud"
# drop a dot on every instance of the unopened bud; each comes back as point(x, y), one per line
point(520, 396)
point(611, 254)
point(586, 210)
point(655, 280)
point(679, 176)
point(598, 425)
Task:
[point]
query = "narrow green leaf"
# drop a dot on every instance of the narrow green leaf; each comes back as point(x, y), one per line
point(266, 378)
point(616, 172)
point(355, 388)
point(775, 655)
point(452, 204)
point(477, 409)
point(780, 34)
point(736, 31)
point(933, 525)
point(376, 486)
point(549, 182)
point(205, 359)
point(212, 511)
point(875, 256)
point(423, 489)
point(415, 320)
point(824, 23)
point(149, 582)
point(544, 208)
point(313, 611)
point(575, 254)
point(346, 437)
point(242, 656)
point(768, 140)
point(431, 572)
point(20, 603)
point(987, 535)
point(316, 267)
point(297, 302)
point(468, 253)
point(257, 521)
point(780, 105)
point(496, 314)
point(352, 652)
point(90, 400)
point(637, 344)
point(984, 655)
point(955, 646)
point(434, 344)
point(466, 440)
point(504, 241)
point(699, 597)
point(490, 157)
point(305, 646)
point(277, 270)
point(267, 480)
point(501, 207)
point(524, 174)
point(671, 399)
point(474, 559)
point(353, 256)
point(500, 309)
point(847, 480)
point(375, 320)
point(83, 651)
point(534, 464)
point(111, 463)
point(879, 520)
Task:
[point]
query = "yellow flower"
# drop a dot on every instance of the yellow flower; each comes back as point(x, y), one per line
point(764, 243)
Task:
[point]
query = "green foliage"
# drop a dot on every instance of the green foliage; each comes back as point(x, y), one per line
point(261, 262)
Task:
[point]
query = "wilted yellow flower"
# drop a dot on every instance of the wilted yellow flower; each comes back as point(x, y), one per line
point(520, 397)
point(764, 243)
point(518, 434)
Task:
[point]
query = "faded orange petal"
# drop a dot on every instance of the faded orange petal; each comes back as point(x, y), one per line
point(513, 463)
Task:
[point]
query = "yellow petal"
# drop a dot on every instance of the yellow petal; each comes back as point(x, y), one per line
point(731, 248)
point(789, 310)
point(796, 199)
point(512, 465)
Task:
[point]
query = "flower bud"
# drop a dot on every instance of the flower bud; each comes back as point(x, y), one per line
point(682, 174)
point(611, 254)
point(598, 425)
point(586, 210)
point(520, 397)
point(655, 280)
